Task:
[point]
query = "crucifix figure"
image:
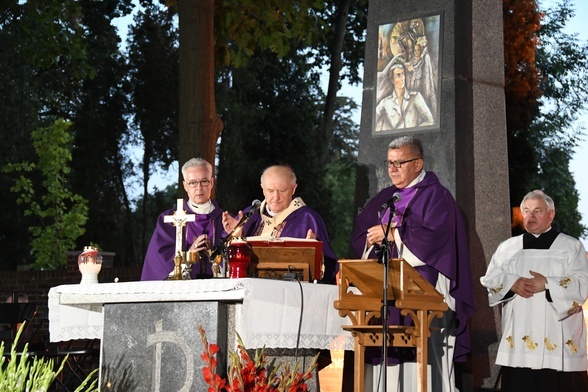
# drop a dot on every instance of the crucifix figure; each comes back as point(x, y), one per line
point(179, 220)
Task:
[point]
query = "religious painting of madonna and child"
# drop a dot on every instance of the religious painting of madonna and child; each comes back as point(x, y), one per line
point(407, 84)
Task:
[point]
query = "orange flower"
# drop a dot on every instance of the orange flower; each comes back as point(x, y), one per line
point(248, 374)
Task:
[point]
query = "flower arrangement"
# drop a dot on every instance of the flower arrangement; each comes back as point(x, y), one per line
point(246, 374)
point(20, 372)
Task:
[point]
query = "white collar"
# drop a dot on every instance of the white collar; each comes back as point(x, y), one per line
point(204, 208)
point(537, 235)
point(417, 180)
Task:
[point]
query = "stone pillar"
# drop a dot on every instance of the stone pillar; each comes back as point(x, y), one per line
point(466, 144)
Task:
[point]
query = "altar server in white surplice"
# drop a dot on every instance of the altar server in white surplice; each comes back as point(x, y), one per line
point(541, 280)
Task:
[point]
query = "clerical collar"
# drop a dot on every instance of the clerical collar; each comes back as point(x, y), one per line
point(419, 178)
point(294, 205)
point(204, 208)
point(269, 212)
point(538, 235)
point(539, 241)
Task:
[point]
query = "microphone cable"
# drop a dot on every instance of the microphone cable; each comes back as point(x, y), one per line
point(299, 321)
point(299, 331)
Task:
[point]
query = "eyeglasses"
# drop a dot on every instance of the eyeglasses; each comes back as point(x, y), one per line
point(398, 164)
point(194, 184)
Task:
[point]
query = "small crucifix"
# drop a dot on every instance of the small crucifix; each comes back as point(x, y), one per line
point(179, 220)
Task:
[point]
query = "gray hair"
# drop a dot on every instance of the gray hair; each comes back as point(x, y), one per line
point(414, 144)
point(284, 166)
point(539, 194)
point(196, 162)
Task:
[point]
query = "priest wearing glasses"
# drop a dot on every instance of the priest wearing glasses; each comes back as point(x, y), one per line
point(427, 231)
point(202, 232)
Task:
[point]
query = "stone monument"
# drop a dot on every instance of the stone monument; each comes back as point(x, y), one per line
point(156, 347)
point(451, 53)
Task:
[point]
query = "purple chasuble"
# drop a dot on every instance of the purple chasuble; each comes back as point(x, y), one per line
point(159, 260)
point(296, 225)
point(430, 224)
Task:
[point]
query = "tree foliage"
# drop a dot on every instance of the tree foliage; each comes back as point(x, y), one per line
point(246, 27)
point(43, 61)
point(153, 67)
point(272, 111)
point(60, 213)
point(521, 24)
point(563, 61)
point(100, 155)
point(545, 69)
point(62, 59)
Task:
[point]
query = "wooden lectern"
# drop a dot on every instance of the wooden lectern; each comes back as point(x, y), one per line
point(407, 291)
point(288, 254)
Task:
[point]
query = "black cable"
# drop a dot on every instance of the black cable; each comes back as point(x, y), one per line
point(299, 322)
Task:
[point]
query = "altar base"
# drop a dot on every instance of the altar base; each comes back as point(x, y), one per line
point(154, 347)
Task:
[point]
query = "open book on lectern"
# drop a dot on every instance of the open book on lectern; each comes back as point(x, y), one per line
point(276, 256)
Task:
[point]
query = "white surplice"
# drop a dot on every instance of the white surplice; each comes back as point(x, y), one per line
point(536, 333)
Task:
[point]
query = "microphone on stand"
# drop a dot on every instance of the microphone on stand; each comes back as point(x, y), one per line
point(396, 197)
point(255, 204)
point(383, 258)
point(254, 207)
point(221, 246)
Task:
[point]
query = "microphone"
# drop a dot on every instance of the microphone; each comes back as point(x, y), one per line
point(254, 207)
point(396, 197)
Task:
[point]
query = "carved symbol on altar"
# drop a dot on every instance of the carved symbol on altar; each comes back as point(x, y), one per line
point(158, 338)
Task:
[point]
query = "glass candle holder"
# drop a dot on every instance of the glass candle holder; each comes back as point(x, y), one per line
point(89, 264)
point(238, 257)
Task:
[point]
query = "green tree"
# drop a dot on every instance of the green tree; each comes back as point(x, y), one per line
point(229, 31)
point(153, 80)
point(43, 61)
point(340, 175)
point(521, 25)
point(271, 115)
point(563, 62)
point(101, 164)
point(61, 214)
point(272, 111)
point(545, 90)
point(343, 48)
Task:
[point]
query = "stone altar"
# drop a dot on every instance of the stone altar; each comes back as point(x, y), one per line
point(144, 326)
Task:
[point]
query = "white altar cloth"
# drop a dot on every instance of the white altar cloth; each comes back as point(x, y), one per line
point(267, 312)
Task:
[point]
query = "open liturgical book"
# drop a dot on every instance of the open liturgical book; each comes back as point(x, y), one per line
point(273, 256)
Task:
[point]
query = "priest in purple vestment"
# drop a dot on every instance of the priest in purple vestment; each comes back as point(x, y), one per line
point(199, 235)
point(283, 215)
point(427, 230)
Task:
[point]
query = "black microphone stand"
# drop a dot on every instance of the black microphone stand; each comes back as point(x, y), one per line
point(384, 258)
point(221, 247)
